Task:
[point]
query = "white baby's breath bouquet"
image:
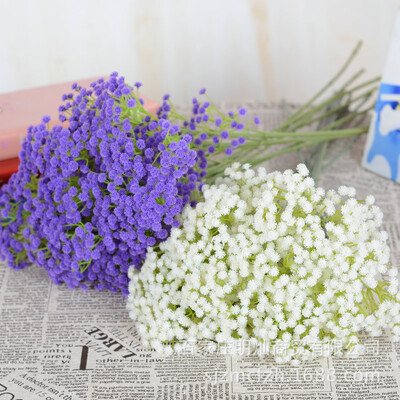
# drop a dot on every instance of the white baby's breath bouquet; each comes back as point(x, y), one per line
point(270, 258)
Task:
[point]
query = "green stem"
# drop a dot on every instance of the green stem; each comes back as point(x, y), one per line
point(323, 90)
point(316, 170)
point(340, 154)
point(335, 110)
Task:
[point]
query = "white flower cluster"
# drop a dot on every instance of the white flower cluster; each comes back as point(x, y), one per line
point(269, 257)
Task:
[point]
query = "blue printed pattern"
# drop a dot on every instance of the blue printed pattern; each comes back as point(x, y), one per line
point(387, 145)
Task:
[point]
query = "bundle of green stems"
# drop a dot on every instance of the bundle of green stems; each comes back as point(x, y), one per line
point(317, 127)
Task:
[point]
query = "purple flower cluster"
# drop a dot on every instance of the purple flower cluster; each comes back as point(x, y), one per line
point(91, 195)
point(13, 217)
point(89, 199)
point(213, 133)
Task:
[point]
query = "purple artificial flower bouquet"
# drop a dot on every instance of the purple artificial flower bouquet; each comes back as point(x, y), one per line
point(90, 198)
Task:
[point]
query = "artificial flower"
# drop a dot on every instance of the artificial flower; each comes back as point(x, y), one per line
point(272, 258)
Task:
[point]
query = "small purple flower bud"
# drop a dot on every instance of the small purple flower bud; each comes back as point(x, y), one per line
point(131, 103)
point(188, 138)
point(242, 111)
point(202, 91)
point(153, 125)
point(140, 144)
point(224, 134)
point(149, 152)
point(172, 146)
point(228, 151)
point(257, 120)
point(215, 139)
point(218, 121)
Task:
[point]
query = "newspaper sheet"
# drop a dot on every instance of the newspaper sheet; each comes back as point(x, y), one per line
point(58, 344)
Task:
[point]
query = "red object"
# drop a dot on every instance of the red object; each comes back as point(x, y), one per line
point(7, 168)
point(21, 109)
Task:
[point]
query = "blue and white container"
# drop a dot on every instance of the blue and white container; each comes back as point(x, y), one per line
point(382, 150)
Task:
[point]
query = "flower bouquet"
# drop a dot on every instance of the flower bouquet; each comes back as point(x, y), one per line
point(273, 259)
point(269, 257)
point(93, 194)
